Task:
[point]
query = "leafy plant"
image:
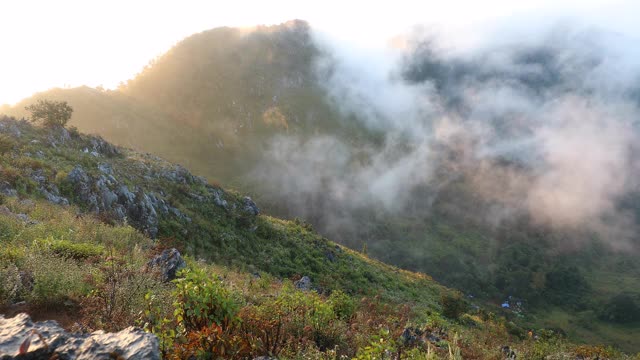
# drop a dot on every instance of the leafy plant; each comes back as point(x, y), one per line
point(201, 301)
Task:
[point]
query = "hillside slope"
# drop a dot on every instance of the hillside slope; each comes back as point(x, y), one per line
point(97, 213)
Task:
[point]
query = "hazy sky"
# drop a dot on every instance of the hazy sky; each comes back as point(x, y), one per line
point(56, 43)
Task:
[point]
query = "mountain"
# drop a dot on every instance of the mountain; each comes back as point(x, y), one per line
point(252, 109)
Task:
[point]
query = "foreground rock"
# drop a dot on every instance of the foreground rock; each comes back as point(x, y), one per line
point(46, 339)
point(168, 263)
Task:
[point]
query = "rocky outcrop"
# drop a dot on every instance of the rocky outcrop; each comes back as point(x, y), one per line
point(104, 194)
point(303, 284)
point(168, 264)
point(47, 189)
point(101, 147)
point(7, 190)
point(11, 126)
point(58, 136)
point(21, 338)
point(180, 175)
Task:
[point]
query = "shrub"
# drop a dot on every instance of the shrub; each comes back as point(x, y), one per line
point(77, 251)
point(201, 301)
point(119, 297)
point(7, 143)
point(10, 284)
point(10, 174)
point(56, 279)
point(12, 255)
point(68, 249)
point(453, 305)
point(50, 113)
point(292, 322)
point(343, 305)
point(622, 308)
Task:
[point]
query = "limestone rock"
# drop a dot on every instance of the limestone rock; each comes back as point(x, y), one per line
point(169, 263)
point(49, 340)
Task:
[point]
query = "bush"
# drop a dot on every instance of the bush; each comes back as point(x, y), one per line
point(119, 298)
point(10, 174)
point(621, 309)
point(453, 305)
point(7, 143)
point(343, 305)
point(77, 251)
point(292, 322)
point(202, 301)
point(12, 255)
point(10, 284)
point(68, 249)
point(50, 113)
point(56, 279)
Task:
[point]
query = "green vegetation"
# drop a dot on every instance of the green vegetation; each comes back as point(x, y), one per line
point(237, 299)
point(50, 113)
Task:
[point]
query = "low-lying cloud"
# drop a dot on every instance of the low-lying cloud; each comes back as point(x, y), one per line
point(543, 128)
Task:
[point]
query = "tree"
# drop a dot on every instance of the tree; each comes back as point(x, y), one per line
point(51, 113)
point(622, 308)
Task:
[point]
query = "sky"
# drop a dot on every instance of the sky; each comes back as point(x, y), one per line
point(67, 43)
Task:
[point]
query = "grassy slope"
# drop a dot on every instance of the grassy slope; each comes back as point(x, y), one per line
point(282, 248)
point(86, 251)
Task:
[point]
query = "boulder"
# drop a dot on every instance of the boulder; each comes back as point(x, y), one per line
point(168, 263)
point(46, 339)
point(7, 190)
point(303, 284)
point(249, 207)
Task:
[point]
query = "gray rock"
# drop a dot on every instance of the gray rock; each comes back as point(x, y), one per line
point(218, 198)
point(99, 195)
point(9, 126)
point(249, 207)
point(38, 176)
point(49, 340)
point(303, 284)
point(124, 195)
point(108, 198)
point(7, 190)
point(143, 215)
point(58, 136)
point(101, 147)
point(168, 263)
point(105, 168)
point(178, 174)
point(78, 175)
point(54, 196)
